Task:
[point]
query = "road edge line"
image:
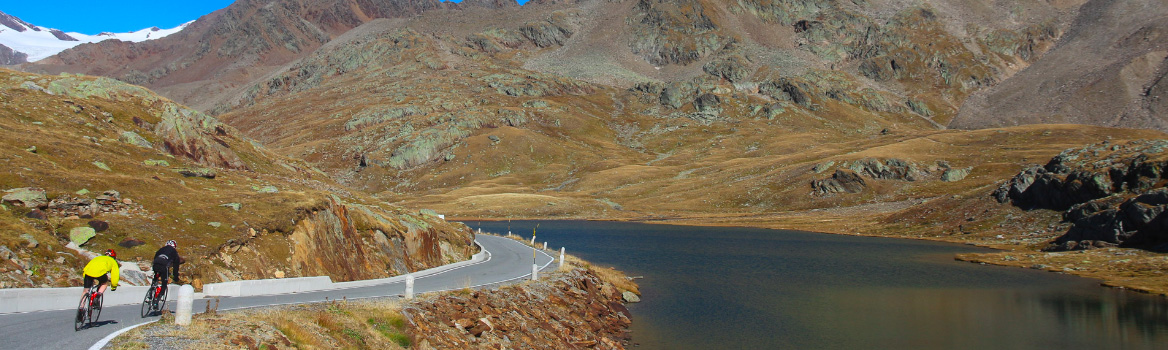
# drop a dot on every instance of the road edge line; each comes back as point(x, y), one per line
point(104, 341)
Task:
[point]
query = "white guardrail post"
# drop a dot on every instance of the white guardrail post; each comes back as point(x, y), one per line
point(561, 257)
point(186, 300)
point(410, 286)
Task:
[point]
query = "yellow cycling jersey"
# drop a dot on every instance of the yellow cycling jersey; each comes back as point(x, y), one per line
point(102, 265)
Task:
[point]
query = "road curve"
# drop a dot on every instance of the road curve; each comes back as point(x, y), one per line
point(508, 260)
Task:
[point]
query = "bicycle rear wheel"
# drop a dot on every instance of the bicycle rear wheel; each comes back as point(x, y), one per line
point(147, 302)
point(95, 310)
point(160, 303)
point(82, 313)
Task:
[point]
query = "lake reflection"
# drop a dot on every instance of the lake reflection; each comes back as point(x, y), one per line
point(734, 288)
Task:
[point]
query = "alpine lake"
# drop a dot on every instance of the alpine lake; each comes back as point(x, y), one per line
point(744, 288)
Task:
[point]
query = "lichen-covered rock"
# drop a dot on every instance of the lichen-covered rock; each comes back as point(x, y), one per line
point(191, 134)
point(951, 175)
point(30, 197)
point(888, 169)
point(133, 138)
point(630, 297)
point(207, 173)
point(265, 189)
point(80, 235)
point(101, 165)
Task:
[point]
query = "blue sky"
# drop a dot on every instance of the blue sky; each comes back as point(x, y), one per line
point(95, 16)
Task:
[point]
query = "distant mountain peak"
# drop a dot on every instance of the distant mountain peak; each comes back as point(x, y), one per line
point(34, 43)
point(61, 35)
point(16, 24)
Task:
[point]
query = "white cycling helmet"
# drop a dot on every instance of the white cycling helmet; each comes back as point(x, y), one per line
point(172, 243)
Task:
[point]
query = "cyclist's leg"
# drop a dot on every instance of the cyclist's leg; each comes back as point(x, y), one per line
point(105, 283)
point(162, 272)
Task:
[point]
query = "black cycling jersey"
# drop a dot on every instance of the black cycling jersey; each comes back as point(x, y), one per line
point(166, 256)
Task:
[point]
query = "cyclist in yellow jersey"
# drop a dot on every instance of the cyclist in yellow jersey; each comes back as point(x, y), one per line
point(104, 270)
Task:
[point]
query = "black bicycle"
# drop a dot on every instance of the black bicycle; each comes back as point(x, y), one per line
point(89, 309)
point(155, 300)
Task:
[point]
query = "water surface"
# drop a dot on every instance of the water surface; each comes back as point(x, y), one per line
point(740, 288)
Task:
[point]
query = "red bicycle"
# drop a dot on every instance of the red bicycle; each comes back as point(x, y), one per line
point(89, 309)
point(155, 300)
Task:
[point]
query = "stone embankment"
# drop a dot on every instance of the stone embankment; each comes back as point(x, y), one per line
point(572, 310)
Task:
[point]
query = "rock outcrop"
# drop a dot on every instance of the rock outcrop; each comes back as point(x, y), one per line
point(843, 181)
point(1110, 193)
point(849, 175)
point(347, 242)
point(8, 56)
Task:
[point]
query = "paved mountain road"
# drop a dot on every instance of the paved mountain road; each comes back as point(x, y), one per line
point(508, 260)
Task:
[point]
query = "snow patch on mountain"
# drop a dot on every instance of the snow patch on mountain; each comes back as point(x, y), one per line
point(40, 42)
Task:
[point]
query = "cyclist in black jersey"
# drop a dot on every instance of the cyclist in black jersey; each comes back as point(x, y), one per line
point(166, 258)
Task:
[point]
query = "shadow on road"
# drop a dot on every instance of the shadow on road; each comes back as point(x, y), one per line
point(99, 324)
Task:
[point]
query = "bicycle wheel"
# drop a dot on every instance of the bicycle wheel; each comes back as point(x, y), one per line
point(95, 310)
point(147, 302)
point(160, 303)
point(82, 313)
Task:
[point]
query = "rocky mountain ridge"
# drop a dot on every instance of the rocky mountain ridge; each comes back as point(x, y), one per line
point(210, 58)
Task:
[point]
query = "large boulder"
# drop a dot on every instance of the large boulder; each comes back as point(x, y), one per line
point(130, 274)
point(952, 175)
point(80, 235)
point(30, 197)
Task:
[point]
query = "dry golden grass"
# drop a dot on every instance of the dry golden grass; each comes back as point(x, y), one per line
point(365, 324)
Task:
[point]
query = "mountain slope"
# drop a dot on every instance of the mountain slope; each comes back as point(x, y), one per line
point(203, 64)
point(1107, 70)
point(86, 152)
